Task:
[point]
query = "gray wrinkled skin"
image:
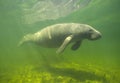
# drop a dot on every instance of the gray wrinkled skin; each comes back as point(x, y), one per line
point(61, 35)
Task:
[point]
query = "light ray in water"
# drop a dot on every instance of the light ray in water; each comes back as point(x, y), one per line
point(51, 9)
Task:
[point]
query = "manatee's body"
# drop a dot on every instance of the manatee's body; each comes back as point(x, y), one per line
point(60, 35)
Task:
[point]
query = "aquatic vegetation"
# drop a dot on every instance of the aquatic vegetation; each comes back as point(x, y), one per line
point(59, 73)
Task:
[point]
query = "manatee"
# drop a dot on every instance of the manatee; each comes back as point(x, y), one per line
point(61, 35)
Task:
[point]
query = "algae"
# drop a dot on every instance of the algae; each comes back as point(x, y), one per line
point(59, 73)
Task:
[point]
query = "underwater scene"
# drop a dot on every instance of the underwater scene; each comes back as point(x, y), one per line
point(91, 61)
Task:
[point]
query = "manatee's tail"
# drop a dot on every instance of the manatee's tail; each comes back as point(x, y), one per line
point(20, 43)
point(26, 38)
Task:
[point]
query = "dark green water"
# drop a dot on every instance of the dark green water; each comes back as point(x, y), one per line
point(94, 62)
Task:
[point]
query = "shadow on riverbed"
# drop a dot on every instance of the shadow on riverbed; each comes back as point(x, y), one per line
point(77, 74)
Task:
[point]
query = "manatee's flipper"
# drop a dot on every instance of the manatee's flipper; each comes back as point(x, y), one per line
point(76, 45)
point(64, 44)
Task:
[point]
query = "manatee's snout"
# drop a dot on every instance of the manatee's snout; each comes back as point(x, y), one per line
point(95, 35)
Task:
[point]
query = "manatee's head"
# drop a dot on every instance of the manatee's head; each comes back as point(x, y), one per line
point(90, 33)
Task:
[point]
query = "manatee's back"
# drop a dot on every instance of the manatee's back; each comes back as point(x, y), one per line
point(53, 36)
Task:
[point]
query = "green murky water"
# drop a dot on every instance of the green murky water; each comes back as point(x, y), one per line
point(94, 62)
